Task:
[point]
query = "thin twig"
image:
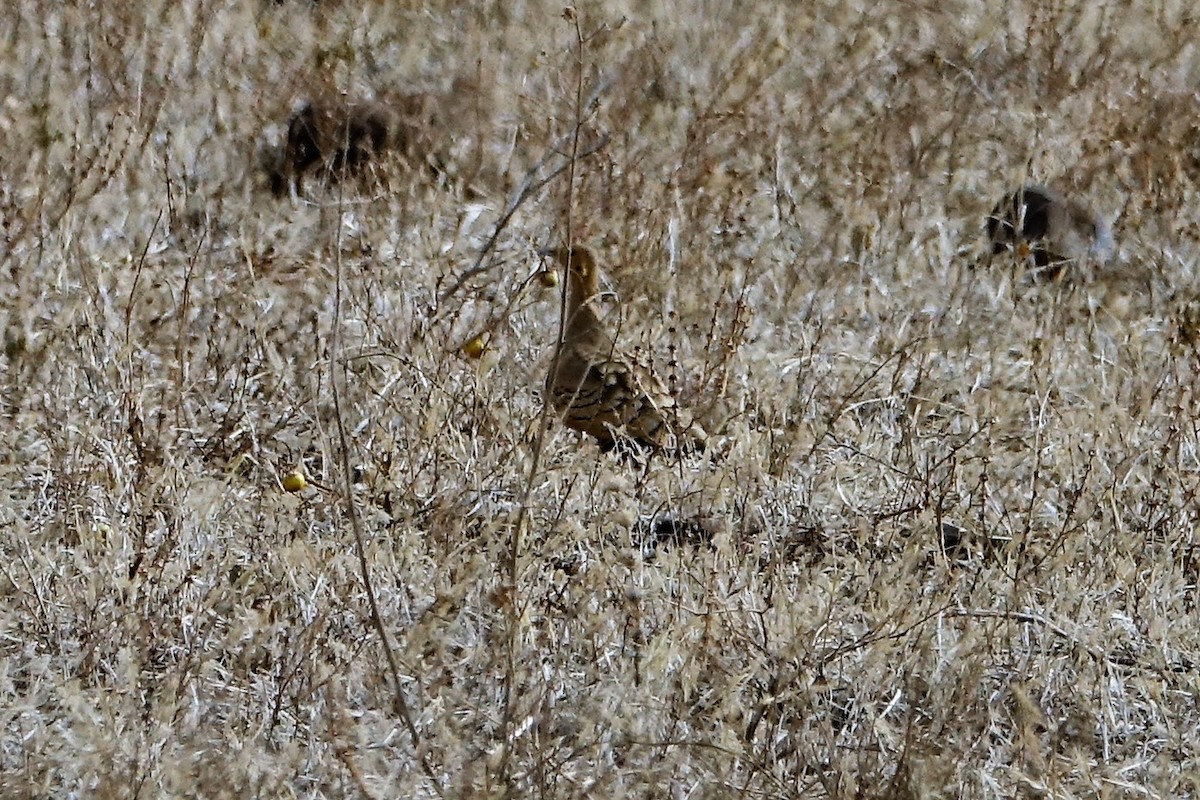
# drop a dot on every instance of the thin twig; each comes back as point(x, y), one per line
point(360, 546)
point(514, 552)
point(530, 185)
point(137, 275)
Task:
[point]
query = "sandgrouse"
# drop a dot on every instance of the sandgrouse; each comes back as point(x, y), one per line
point(1038, 222)
point(333, 136)
point(597, 390)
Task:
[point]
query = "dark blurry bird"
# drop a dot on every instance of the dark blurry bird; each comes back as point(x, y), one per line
point(596, 389)
point(1038, 223)
point(337, 136)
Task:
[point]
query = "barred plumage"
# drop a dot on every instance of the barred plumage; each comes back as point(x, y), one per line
point(599, 391)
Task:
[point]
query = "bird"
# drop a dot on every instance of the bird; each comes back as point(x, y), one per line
point(1039, 222)
point(596, 389)
point(336, 136)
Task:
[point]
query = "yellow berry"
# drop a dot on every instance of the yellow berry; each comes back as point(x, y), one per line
point(474, 347)
point(295, 482)
point(548, 278)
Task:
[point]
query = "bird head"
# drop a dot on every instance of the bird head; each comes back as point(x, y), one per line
point(583, 279)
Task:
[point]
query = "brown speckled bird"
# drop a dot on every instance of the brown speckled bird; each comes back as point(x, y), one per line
point(1040, 223)
point(597, 390)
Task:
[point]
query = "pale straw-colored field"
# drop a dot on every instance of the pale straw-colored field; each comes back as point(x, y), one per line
point(943, 544)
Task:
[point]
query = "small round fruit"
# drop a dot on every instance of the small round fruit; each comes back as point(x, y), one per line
point(295, 482)
point(474, 347)
point(548, 278)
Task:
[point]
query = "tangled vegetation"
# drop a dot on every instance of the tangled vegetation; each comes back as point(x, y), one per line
point(285, 513)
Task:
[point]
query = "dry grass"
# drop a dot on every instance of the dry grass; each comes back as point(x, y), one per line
point(947, 548)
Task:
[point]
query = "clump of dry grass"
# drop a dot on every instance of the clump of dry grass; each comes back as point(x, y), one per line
point(948, 547)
